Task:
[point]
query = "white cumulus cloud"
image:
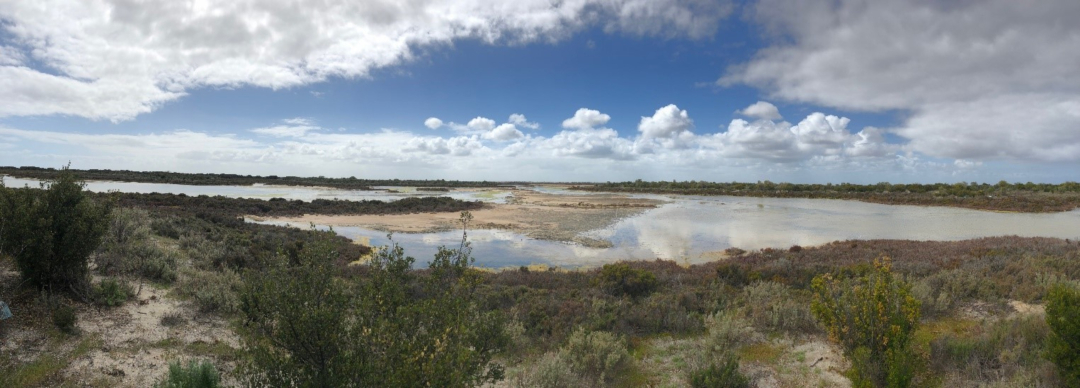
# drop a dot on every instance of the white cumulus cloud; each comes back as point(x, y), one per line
point(504, 132)
point(481, 124)
point(520, 120)
point(761, 110)
point(667, 122)
point(433, 123)
point(586, 118)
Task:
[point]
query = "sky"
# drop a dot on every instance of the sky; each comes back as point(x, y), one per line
point(547, 90)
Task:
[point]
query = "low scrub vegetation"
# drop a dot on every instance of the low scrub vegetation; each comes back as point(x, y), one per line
point(395, 328)
point(195, 374)
point(350, 183)
point(219, 206)
point(936, 314)
point(1024, 197)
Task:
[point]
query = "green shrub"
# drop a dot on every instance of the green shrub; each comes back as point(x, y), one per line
point(942, 292)
point(723, 374)
point(551, 371)
point(872, 318)
point(194, 375)
point(727, 331)
point(774, 306)
point(1063, 317)
point(622, 279)
point(662, 313)
point(126, 226)
point(596, 356)
point(988, 353)
point(112, 292)
point(52, 232)
point(212, 291)
point(142, 257)
point(308, 327)
point(171, 319)
point(64, 318)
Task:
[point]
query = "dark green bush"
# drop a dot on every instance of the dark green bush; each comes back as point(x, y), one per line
point(193, 375)
point(172, 319)
point(397, 327)
point(724, 374)
point(51, 232)
point(622, 279)
point(1063, 317)
point(112, 292)
point(64, 318)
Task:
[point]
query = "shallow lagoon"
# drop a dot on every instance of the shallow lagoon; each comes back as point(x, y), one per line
point(685, 228)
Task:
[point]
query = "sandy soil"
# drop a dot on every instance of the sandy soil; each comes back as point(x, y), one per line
point(136, 348)
point(533, 214)
point(826, 361)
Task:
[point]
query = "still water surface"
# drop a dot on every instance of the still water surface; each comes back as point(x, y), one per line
point(685, 228)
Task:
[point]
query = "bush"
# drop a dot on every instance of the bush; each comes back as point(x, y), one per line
point(774, 306)
point(551, 371)
point(727, 331)
point(141, 257)
point(172, 319)
point(724, 374)
point(622, 279)
point(988, 353)
point(52, 232)
point(597, 356)
point(194, 375)
point(1063, 317)
point(212, 291)
point(308, 327)
point(126, 226)
point(112, 292)
point(64, 318)
point(872, 318)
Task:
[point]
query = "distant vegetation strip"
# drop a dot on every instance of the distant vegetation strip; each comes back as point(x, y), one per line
point(1003, 196)
point(351, 183)
point(279, 207)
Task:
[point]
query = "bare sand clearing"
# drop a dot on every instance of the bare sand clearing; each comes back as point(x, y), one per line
point(136, 348)
point(533, 214)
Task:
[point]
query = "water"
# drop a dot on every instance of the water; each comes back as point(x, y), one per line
point(491, 248)
point(689, 227)
point(693, 229)
point(685, 228)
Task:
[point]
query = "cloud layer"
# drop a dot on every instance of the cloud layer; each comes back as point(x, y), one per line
point(992, 80)
point(664, 144)
point(116, 59)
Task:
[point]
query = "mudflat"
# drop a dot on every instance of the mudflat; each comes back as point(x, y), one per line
point(538, 215)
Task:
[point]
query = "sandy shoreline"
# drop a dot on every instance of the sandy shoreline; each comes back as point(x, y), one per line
point(530, 213)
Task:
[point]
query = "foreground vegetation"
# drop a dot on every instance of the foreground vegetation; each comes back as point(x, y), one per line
point(1004, 196)
point(868, 313)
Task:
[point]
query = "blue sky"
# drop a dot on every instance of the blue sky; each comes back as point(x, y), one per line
point(617, 90)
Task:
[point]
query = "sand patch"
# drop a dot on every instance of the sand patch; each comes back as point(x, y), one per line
point(137, 348)
point(825, 361)
point(1024, 309)
point(536, 215)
